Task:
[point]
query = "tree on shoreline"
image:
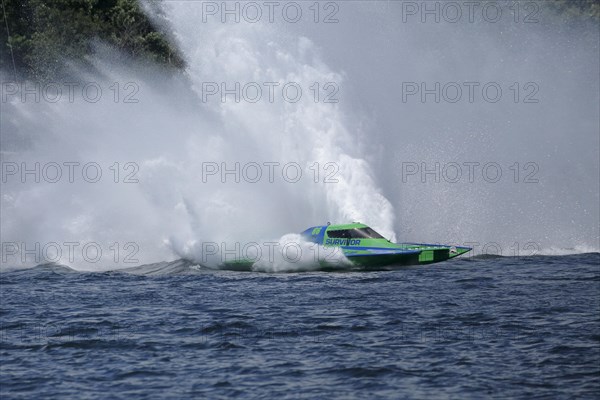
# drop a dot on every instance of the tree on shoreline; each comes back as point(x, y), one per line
point(39, 37)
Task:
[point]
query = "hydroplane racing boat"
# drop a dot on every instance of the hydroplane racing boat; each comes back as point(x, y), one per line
point(367, 248)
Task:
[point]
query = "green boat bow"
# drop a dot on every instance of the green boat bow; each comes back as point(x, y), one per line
point(365, 247)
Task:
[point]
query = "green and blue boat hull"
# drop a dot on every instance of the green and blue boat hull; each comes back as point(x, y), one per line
point(365, 247)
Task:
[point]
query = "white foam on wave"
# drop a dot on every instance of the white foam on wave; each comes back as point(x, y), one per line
point(171, 133)
point(306, 132)
point(291, 253)
point(560, 251)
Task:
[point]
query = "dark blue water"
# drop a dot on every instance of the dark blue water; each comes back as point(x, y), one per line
point(524, 327)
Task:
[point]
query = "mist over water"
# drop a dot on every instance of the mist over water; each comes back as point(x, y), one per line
point(370, 136)
point(559, 133)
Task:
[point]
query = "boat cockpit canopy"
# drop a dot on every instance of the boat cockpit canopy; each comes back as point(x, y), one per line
point(355, 233)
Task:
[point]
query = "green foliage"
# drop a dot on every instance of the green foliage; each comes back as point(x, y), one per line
point(576, 9)
point(45, 35)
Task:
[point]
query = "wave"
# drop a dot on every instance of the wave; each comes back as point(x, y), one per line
point(563, 251)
